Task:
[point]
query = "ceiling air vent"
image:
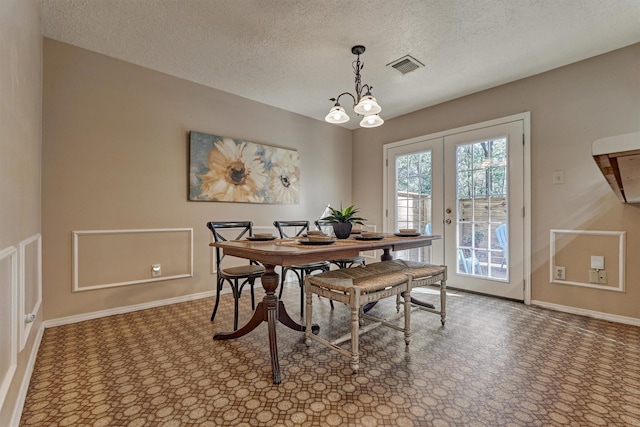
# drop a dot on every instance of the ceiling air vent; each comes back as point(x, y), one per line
point(406, 64)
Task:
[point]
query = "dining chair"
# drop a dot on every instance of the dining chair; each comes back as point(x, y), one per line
point(233, 275)
point(341, 262)
point(288, 229)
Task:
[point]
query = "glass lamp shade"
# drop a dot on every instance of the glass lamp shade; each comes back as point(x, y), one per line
point(371, 121)
point(367, 105)
point(337, 115)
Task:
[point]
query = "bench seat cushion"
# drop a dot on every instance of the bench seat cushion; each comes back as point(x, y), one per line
point(415, 269)
point(344, 279)
point(376, 276)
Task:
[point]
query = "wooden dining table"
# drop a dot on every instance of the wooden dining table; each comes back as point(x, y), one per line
point(287, 252)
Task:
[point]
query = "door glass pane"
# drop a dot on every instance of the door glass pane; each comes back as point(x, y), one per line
point(413, 199)
point(481, 180)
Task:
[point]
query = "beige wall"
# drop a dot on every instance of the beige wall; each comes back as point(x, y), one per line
point(20, 150)
point(115, 156)
point(570, 108)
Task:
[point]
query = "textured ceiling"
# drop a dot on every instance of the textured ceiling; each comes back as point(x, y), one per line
point(295, 54)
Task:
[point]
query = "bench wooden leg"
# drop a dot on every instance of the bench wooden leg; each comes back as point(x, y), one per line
point(355, 330)
point(407, 315)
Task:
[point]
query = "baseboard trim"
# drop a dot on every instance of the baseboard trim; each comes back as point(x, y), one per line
point(26, 379)
point(126, 309)
point(589, 313)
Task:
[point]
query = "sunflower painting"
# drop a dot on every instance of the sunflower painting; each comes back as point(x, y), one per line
point(230, 170)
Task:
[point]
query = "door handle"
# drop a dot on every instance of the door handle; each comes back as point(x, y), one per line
point(448, 221)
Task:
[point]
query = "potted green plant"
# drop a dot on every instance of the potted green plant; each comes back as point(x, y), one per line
point(343, 220)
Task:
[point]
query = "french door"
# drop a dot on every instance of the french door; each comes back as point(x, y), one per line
point(416, 190)
point(466, 185)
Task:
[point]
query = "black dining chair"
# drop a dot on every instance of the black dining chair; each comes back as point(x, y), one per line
point(288, 229)
point(233, 275)
point(342, 262)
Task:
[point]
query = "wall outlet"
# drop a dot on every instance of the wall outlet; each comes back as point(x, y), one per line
point(593, 276)
point(602, 277)
point(559, 273)
point(156, 270)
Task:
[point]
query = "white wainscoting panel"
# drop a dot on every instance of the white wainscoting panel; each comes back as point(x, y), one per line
point(621, 235)
point(30, 287)
point(8, 318)
point(77, 286)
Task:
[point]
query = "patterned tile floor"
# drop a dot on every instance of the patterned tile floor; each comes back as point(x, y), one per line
point(495, 363)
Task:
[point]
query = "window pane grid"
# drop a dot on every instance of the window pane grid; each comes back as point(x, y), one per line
point(481, 179)
point(413, 198)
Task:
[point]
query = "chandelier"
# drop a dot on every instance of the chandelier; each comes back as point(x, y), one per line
point(364, 105)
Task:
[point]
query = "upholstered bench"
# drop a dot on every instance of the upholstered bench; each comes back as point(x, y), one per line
point(359, 286)
point(356, 287)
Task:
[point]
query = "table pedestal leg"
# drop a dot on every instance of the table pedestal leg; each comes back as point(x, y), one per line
point(272, 318)
point(269, 310)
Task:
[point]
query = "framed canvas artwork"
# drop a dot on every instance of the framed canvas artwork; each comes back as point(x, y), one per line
point(223, 169)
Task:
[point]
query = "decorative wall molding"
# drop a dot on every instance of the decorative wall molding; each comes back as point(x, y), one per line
point(76, 250)
point(621, 257)
point(27, 315)
point(9, 347)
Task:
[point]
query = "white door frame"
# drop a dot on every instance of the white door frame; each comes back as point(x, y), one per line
point(526, 119)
